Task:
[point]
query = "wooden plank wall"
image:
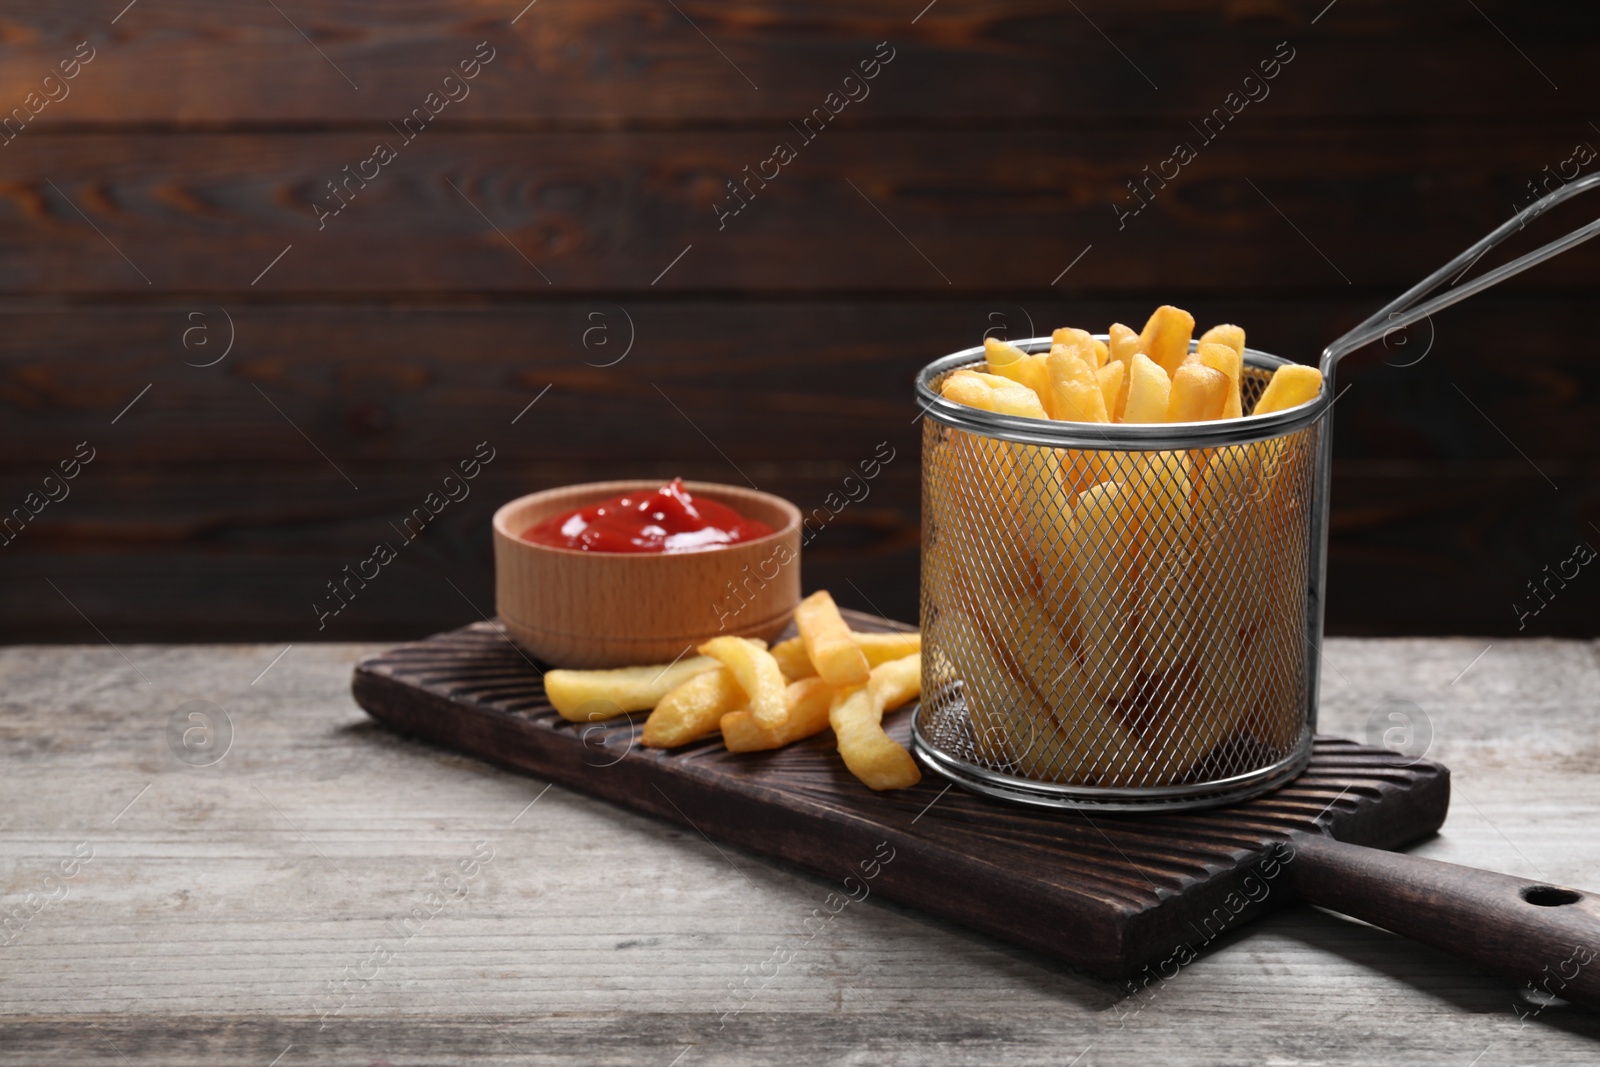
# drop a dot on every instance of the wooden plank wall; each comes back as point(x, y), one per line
point(556, 233)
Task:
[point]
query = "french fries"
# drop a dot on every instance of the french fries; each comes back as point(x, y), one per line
point(877, 647)
point(1101, 548)
point(1199, 394)
point(1121, 617)
point(760, 699)
point(807, 701)
point(1165, 337)
point(1093, 352)
point(1228, 360)
point(581, 696)
point(856, 715)
point(1124, 342)
point(1113, 379)
point(1138, 625)
point(1149, 391)
point(757, 673)
point(1226, 334)
point(692, 710)
point(1136, 376)
point(1009, 361)
point(1291, 386)
point(991, 392)
point(810, 700)
point(828, 643)
point(1075, 394)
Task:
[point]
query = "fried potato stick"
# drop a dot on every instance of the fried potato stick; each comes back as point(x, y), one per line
point(878, 648)
point(1149, 391)
point(856, 715)
point(756, 672)
point(1198, 394)
point(829, 644)
point(808, 701)
point(1009, 361)
point(584, 696)
point(693, 709)
point(1291, 386)
point(1165, 337)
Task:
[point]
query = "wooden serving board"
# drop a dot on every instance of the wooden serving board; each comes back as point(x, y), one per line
point(1110, 894)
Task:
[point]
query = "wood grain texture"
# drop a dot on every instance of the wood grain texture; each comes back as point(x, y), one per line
point(207, 513)
point(217, 556)
point(208, 925)
point(1526, 929)
point(996, 142)
point(630, 60)
point(985, 210)
point(789, 381)
point(1110, 895)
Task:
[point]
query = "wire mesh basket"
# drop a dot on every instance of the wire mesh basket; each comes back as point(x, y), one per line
point(1117, 615)
point(1130, 616)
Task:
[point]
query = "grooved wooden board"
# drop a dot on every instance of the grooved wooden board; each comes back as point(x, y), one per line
point(1109, 894)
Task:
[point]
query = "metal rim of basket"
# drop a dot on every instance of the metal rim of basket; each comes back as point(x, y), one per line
point(1118, 437)
point(1131, 437)
point(1039, 794)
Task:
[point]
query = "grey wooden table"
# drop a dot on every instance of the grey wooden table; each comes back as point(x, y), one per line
point(327, 892)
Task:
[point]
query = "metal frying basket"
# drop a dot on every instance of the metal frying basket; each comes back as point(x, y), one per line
point(1130, 616)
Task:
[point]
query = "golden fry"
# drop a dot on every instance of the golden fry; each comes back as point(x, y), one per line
point(1019, 400)
point(1113, 379)
point(967, 388)
point(883, 647)
point(808, 701)
point(757, 673)
point(1149, 391)
point(1075, 394)
point(1291, 386)
point(856, 715)
point(1082, 343)
point(991, 392)
point(1009, 361)
point(693, 709)
point(999, 354)
point(1165, 337)
point(792, 659)
point(1029, 698)
point(1226, 334)
point(829, 643)
point(897, 682)
point(1226, 359)
point(1161, 493)
point(878, 648)
point(1199, 394)
point(1124, 342)
point(1103, 551)
point(583, 696)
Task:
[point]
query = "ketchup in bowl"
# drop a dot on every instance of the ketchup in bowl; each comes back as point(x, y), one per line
point(666, 520)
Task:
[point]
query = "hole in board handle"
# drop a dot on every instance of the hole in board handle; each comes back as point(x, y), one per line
point(1549, 896)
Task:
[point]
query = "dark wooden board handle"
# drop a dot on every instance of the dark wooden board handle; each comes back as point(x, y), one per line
point(1545, 935)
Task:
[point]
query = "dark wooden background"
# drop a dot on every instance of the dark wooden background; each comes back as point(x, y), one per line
point(377, 352)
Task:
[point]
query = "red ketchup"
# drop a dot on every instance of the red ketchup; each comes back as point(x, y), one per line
point(665, 520)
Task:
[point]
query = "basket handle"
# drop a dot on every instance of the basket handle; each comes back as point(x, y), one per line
point(1404, 309)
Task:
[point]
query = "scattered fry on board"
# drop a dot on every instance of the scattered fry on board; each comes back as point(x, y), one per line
point(761, 699)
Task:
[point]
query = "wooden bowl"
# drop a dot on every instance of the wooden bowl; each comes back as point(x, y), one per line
point(611, 609)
